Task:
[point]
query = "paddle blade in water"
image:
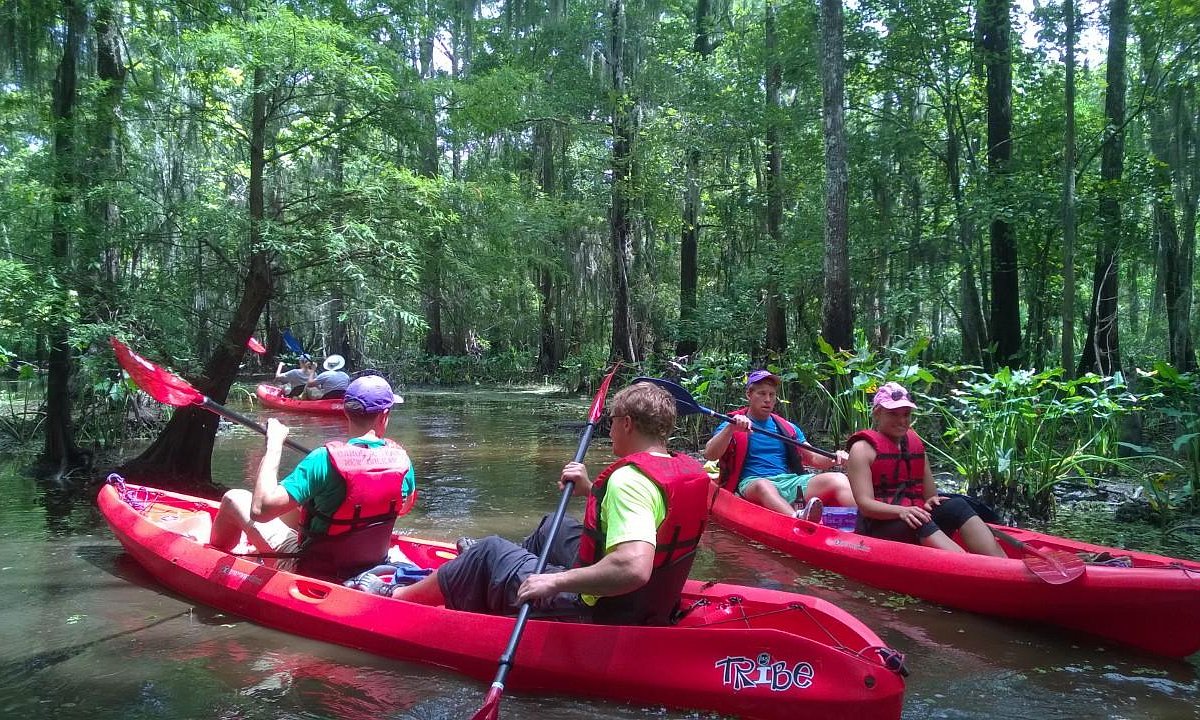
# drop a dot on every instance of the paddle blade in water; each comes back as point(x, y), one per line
point(491, 704)
point(160, 384)
point(256, 346)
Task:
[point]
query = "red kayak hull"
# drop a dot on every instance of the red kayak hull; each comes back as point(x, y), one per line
point(1153, 606)
point(272, 396)
point(750, 652)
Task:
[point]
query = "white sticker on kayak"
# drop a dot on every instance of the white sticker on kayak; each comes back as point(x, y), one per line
point(743, 672)
point(856, 545)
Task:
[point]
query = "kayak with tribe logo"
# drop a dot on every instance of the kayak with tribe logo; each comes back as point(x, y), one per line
point(750, 652)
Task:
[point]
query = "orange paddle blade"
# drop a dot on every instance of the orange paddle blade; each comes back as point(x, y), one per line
point(160, 384)
point(255, 345)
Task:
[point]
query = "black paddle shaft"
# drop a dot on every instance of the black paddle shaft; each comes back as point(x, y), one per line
point(237, 417)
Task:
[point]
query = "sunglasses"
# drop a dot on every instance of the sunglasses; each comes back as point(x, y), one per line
point(899, 394)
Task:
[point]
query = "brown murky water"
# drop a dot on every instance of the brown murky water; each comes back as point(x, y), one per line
point(83, 632)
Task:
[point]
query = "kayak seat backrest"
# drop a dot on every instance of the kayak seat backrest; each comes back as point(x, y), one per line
point(342, 556)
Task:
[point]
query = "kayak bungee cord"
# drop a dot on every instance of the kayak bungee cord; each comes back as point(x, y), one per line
point(140, 499)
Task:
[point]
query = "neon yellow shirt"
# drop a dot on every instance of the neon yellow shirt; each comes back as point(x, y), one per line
point(632, 510)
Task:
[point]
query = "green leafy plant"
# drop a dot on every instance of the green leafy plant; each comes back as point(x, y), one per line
point(1015, 434)
point(1177, 417)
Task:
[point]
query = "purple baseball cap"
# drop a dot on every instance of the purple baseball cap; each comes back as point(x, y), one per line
point(370, 394)
point(891, 396)
point(763, 375)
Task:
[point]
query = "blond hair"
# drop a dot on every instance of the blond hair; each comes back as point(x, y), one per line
point(651, 409)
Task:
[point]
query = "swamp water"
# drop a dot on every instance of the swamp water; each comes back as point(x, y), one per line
point(84, 632)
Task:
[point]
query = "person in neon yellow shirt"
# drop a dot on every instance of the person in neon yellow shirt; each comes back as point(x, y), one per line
point(624, 563)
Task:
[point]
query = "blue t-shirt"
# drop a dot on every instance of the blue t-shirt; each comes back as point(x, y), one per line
point(766, 456)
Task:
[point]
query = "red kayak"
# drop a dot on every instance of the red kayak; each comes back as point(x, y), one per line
point(750, 652)
point(272, 396)
point(1153, 604)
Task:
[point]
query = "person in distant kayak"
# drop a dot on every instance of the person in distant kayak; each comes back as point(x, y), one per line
point(332, 516)
point(894, 486)
point(331, 383)
point(624, 564)
point(768, 471)
point(296, 379)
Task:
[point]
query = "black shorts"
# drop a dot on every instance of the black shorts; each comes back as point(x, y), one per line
point(948, 516)
point(486, 577)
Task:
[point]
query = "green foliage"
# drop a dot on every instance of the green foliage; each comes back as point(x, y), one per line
point(1176, 417)
point(1017, 433)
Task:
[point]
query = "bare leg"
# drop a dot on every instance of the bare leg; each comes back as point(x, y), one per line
point(941, 541)
point(832, 487)
point(233, 520)
point(425, 591)
point(764, 492)
point(978, 538)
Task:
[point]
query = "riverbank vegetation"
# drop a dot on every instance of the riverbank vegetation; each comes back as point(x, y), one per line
point(995, 206)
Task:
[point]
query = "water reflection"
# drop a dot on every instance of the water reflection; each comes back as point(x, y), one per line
point(86, 631)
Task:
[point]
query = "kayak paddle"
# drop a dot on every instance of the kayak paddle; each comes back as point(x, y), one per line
point(491, 703)
point(293, 344)
point(170, 389)
point(685, 404)
point(1054, 566)
point(256, 346)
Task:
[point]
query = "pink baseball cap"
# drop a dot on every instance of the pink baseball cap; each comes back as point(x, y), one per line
point(891, 396)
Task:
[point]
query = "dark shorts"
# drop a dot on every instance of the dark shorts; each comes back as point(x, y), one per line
point(486, 577)
point(948, 516)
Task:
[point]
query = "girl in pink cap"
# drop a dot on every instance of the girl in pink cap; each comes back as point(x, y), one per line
point(894, 488)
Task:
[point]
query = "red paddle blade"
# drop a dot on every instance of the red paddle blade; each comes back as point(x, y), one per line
point(163, 386)
point(601, 394)
point(491, 704)
point(255, 345)
point(1055, 566)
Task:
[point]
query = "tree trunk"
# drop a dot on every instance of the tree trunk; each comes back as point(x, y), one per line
point(1101, 352)
point(548, 357)
point(1185, 169)
point(837, 325)
point(1005, 307)
point(971, 323)
point(1067, 356)
point(106, 162)
point(776, 312)
point(182, 453)
point(619, 223)
point(61, 454)
point(431, 279)
point(688, 254)
point(1162, 201)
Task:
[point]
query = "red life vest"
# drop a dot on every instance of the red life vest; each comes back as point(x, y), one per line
point(684, 486)
point(734, 457)
point(898, 472)
point(360, 529)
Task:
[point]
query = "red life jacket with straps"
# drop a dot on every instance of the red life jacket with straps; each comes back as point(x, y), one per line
point(898, 472)
point(359, 533)
point(684, 486)
point(734, 457)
